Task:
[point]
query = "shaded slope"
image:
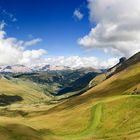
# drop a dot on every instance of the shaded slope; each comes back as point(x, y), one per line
point(78, 84)
point(18, 131)
point(7, 100)
point(28, 91)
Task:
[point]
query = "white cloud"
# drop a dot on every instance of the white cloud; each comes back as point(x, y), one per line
point(77, 61)
point(108, 63)
point(32, 42)
point(32, 57)
point(12, 50)
point(2, 24)
point(78, 14)
point(117, 30)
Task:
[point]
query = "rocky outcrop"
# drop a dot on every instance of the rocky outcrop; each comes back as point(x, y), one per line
point(123, 64)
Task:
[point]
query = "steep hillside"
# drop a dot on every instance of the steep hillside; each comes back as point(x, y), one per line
point(27, 92)
point(123, 64)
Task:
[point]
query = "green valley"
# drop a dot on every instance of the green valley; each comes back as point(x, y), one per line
point(108, 110)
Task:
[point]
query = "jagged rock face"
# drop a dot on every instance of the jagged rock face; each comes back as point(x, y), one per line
point(7, 67)
point(46, 67)
point(122, 59)
point(112, 70)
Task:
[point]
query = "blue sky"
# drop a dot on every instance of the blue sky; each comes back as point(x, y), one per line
point(79, 32)
point(50, 20)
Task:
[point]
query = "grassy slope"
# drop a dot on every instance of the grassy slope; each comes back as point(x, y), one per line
point(10, 131)
point(29, 91)
point(97, 80)
point(107, 111)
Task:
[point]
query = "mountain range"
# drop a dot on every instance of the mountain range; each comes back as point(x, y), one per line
point(38, 68)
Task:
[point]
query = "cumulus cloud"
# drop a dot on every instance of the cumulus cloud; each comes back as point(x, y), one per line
point(78, 14)
point(12, 50)
point(32, 42)
point(117, 30)
point(77, 61)
point(32, 56)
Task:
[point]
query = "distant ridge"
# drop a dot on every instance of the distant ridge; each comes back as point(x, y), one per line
point(15, 69)
point(123, 64)
point(42, 68)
